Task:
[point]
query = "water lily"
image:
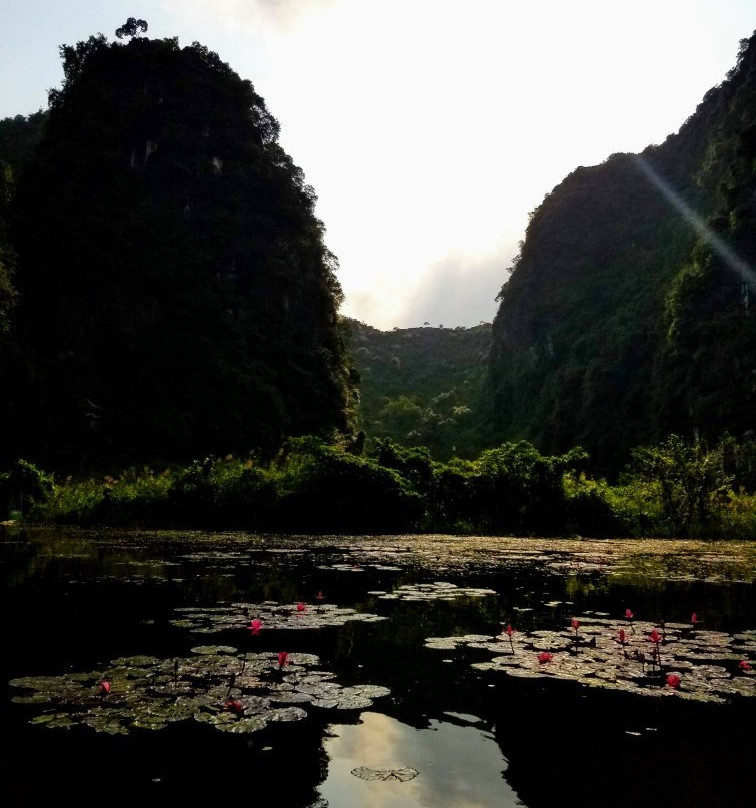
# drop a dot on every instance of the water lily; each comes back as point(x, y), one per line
point(656, 638)
point(301, 607)
point(673, 680)
point(320, 597)
point(694, 619)
point(103, 689)
point(744, 665)
point(233, 706)
point(283, 658)
point(255, 626)
point(509, 632)
point(630, 616)
point(545, 656)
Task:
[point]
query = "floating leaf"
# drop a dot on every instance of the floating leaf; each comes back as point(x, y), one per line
point(633, 665)
point(403, 775)
point(159, 692)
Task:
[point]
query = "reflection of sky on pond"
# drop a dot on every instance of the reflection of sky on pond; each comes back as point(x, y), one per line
point(459, 766)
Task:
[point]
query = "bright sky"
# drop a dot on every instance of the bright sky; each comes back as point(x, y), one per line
point(428, 128)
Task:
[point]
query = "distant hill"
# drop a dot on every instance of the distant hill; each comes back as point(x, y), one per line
point(422, 386)
point(631, 311)
point(175, 297)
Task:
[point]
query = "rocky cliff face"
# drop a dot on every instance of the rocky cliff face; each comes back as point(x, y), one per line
point(629, 313)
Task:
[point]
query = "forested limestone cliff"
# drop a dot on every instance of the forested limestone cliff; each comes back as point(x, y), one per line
point(629, 313)
point(174, 293)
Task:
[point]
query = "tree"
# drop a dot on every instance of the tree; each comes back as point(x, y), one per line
point(132, 27)
point(690, 478)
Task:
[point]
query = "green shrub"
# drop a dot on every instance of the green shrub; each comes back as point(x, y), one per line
point(24, 485)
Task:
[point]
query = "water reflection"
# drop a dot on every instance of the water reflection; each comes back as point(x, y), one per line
point(460, 765)
point(74, 600)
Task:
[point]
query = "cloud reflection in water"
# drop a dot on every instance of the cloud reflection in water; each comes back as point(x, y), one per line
point(460, 766)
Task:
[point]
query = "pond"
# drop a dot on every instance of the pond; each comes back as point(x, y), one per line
point(169, 668)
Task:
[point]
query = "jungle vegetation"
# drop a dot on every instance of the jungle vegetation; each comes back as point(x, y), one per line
point(423, 386)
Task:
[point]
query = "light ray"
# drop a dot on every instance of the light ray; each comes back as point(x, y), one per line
point(722, 249)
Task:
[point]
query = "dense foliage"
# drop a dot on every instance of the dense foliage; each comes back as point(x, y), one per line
point(175, 296)
point(423, 386)
point(629, 311)
point(677, 488)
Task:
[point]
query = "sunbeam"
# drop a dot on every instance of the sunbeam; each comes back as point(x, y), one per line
point(717, 243)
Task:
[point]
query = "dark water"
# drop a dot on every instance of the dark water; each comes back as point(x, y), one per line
point(74, 601)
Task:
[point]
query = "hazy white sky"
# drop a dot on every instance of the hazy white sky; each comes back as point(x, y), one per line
point(428, 128)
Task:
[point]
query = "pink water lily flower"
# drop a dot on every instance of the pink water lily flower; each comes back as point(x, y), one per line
point(320, 595)
point(744, 666)
point(655, 637)
point(621, 636)
point(103, 689)
point(255, 626)
point(545, 656)
point(575, 623)
point(628, 614)
point(283, 658)
point(510, 631)
point(673, 680)
point(301, 607)
point(694, 618)
point(234, 706)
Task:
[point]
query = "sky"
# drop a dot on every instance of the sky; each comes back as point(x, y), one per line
point(428, 128)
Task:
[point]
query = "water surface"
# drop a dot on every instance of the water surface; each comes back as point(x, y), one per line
point(75, 601)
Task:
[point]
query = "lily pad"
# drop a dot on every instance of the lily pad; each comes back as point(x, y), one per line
point(601, 656)
point(216, 686)
point(403, 775)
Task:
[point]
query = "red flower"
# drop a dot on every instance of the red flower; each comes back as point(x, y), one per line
point(545, 656)
point(628, 614)
point(103, 689)
point(622, 636)
point(320, 595)
point(575, 623)
point(234, 706)
point(301, 607)
point(673, 680)
point(694, 618)
point(255, 626)
point(283, 658)
point(509, 630)
point(744, 666)
point(655, 637)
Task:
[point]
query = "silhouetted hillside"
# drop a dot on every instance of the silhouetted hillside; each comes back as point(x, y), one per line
point(625, 317)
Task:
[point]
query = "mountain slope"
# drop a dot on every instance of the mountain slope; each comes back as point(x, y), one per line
point(620, 321)
point(422, 386)
point(175, 293)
